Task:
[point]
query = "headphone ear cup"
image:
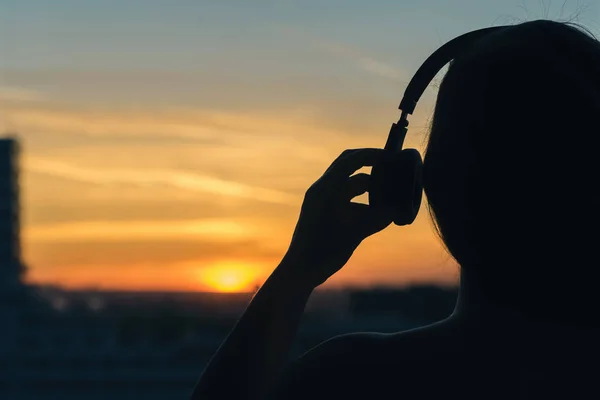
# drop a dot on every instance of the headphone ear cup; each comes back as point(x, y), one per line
point(409, 184)
point(397, 185)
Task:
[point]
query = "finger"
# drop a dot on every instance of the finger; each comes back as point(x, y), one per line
point(357, 184)
point(353, 160)
point(340, 157)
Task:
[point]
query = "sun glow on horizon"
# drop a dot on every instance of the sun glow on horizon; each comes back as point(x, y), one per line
point(228, 277)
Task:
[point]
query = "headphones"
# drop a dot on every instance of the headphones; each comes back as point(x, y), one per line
point(397, 180)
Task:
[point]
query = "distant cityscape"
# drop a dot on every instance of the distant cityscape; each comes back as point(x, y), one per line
point(74, 344)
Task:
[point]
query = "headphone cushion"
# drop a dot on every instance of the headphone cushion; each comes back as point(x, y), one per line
point(397, 185)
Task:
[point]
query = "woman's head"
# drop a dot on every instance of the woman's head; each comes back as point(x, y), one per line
point(511, 165)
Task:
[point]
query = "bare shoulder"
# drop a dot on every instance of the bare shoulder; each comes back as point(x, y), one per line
point(362, 361)
point(441, 336)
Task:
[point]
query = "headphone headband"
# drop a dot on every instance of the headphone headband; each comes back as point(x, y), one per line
point(434, 63)
point(424, 75)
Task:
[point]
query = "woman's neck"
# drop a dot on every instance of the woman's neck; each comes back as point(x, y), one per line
point(477, 312)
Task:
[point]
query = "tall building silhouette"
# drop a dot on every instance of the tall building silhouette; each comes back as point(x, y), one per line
point(11, 265)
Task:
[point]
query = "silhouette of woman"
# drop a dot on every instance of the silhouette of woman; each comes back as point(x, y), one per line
point(509, 174)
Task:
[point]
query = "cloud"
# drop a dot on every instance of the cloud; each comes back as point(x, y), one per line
point(19, 94)
point(202, 124)
point(252, 145)
point(108, 231)
point(99, 76)
point(359, 57)
point(365, 62)
point(160, 252)
point(157, 177)
point(294, 108)
point(106, 123)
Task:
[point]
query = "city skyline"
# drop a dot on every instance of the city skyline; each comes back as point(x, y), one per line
point(169, 146)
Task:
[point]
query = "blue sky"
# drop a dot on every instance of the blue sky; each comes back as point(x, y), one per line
point(194, 52)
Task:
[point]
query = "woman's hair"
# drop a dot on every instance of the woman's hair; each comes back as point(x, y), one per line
point(511, 165)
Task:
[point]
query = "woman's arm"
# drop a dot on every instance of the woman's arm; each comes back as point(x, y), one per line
point(256, 350)
point(328, 231)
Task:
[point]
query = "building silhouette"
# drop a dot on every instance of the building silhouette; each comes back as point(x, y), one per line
point(11, 265)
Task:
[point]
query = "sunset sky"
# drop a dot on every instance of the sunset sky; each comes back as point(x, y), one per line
point(168, 144)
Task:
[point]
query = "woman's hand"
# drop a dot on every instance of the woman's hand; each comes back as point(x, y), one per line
point(330, 226)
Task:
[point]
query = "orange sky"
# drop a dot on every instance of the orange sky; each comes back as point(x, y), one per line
point(143, 216)
point(169, 147)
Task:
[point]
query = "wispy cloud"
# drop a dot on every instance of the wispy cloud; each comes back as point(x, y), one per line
point(157, 177)
point(217, 139)
point(108, 231)
point(69, 76)
point(19, 94)
point(112, 122)
point(364, 61)
point(202, 124)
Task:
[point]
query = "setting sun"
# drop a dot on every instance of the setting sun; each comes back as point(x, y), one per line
point(228, 277)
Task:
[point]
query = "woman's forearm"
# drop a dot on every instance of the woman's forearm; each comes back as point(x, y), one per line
point(329, 229)
point(257, 348)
